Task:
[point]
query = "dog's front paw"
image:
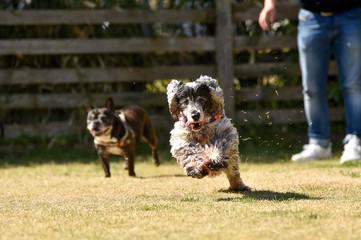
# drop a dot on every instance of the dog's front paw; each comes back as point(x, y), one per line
point(196, 172)
point(240, 188)
point(216, 165)
point(215, 159)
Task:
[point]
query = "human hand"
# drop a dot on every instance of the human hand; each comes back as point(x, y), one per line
point(267, 15)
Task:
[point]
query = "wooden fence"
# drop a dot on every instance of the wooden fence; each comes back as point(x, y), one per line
point(224, 44)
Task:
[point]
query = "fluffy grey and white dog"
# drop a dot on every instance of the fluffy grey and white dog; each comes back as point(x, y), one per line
point(203, 140)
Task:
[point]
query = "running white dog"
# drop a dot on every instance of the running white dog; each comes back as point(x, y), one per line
point(204, 141)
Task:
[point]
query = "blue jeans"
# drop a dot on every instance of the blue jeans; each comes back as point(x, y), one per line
point(318, 38)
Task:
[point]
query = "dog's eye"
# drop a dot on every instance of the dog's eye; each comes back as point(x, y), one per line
point(202, 100)
point(104, 119)
point(186, 101)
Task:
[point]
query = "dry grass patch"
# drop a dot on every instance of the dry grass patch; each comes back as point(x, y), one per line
point(318, 200)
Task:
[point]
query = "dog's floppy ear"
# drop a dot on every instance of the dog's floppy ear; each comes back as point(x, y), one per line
point(109, 104)
point(88, 106)
point(212, 84)
point(217, 101)
point(172, 89)
point(216, 105)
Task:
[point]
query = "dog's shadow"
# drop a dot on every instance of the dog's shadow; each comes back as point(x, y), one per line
point(161, 176)
point(267, 195)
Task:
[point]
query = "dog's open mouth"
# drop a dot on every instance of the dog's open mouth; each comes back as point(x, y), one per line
point(196, 126)
point(97, 132)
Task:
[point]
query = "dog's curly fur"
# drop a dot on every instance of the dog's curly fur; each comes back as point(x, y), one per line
point(203, 140)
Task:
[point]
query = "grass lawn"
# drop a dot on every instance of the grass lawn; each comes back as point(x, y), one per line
point(72, 200)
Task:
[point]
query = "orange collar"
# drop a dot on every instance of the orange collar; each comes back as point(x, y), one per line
point(214, 118)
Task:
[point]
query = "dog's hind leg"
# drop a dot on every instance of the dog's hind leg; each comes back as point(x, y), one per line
point(155, 156)
point(150, 137)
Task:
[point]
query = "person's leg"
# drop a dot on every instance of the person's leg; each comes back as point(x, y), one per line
point(347, 51)
point(314, 45)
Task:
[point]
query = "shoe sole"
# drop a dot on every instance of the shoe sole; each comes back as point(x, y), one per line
point(342, 161)
point(311, 159)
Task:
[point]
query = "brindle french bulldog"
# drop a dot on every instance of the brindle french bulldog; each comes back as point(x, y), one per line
point(117, 132)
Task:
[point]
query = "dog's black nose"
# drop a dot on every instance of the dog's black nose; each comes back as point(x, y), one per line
point(96, 124)
point(195, 116)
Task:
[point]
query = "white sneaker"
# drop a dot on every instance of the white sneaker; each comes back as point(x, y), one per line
point(352, 150)
point(312, 152)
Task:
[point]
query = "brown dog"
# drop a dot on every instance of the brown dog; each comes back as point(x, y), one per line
point(117, 132)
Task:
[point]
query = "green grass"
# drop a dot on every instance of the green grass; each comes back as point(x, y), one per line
point(55, 198)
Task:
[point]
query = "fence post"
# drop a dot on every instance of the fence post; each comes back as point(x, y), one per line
point(224, 54)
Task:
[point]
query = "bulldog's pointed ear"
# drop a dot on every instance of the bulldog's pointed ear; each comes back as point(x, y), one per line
point(172, 89)
point(110, 104)
point(88, 106)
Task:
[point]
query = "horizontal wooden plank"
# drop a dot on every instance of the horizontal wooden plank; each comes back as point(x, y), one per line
point(100, 75)
point(285, 10)
point(241, 12)
point(70, 128)
point(143, 74)
point(274, 68)
point(76, 100)
point(281, 116)
point(242, 43)
point(97, 46)
point(53, 129)
point(138, 45)
point(99, 16)
point(264, 69)
point(163, 123)
point(69, 100)
point(268, 94)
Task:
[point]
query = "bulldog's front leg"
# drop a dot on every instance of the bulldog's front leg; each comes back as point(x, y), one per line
point(104, 159)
